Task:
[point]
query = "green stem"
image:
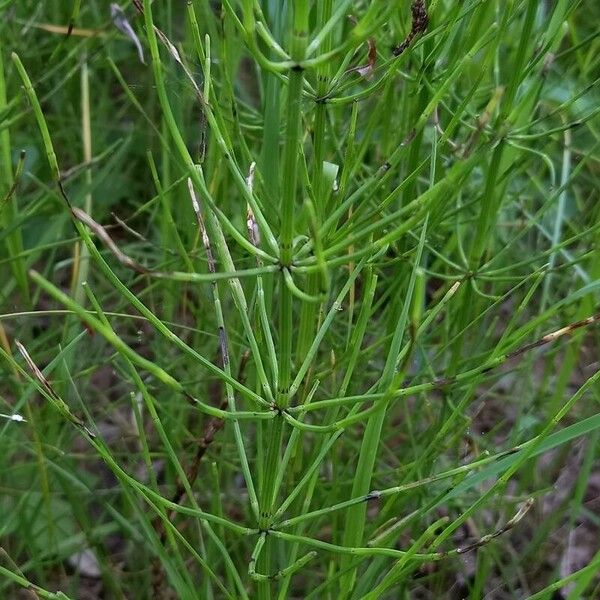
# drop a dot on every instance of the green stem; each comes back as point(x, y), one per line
point(389, 383)
point(286, 331)
point(9, 213)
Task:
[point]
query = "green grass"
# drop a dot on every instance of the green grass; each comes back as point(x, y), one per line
point(304, 305)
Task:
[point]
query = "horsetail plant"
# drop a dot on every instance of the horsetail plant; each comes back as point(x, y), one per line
point(311, 355)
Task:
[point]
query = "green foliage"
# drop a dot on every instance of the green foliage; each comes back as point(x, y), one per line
point(298, 298)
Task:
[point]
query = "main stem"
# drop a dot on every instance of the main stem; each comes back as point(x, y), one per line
point(309, 311)
point(287, 208)
point(289, 186)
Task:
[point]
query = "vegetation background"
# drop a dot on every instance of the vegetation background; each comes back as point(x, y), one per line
point(298, 299)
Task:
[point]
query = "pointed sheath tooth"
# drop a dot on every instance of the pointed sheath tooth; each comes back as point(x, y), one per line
point(103, 235)
point(56, 399)
point(122, 24)
point(252, 226)
point(250, 178)
point(212, 265)
point(195, 204)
